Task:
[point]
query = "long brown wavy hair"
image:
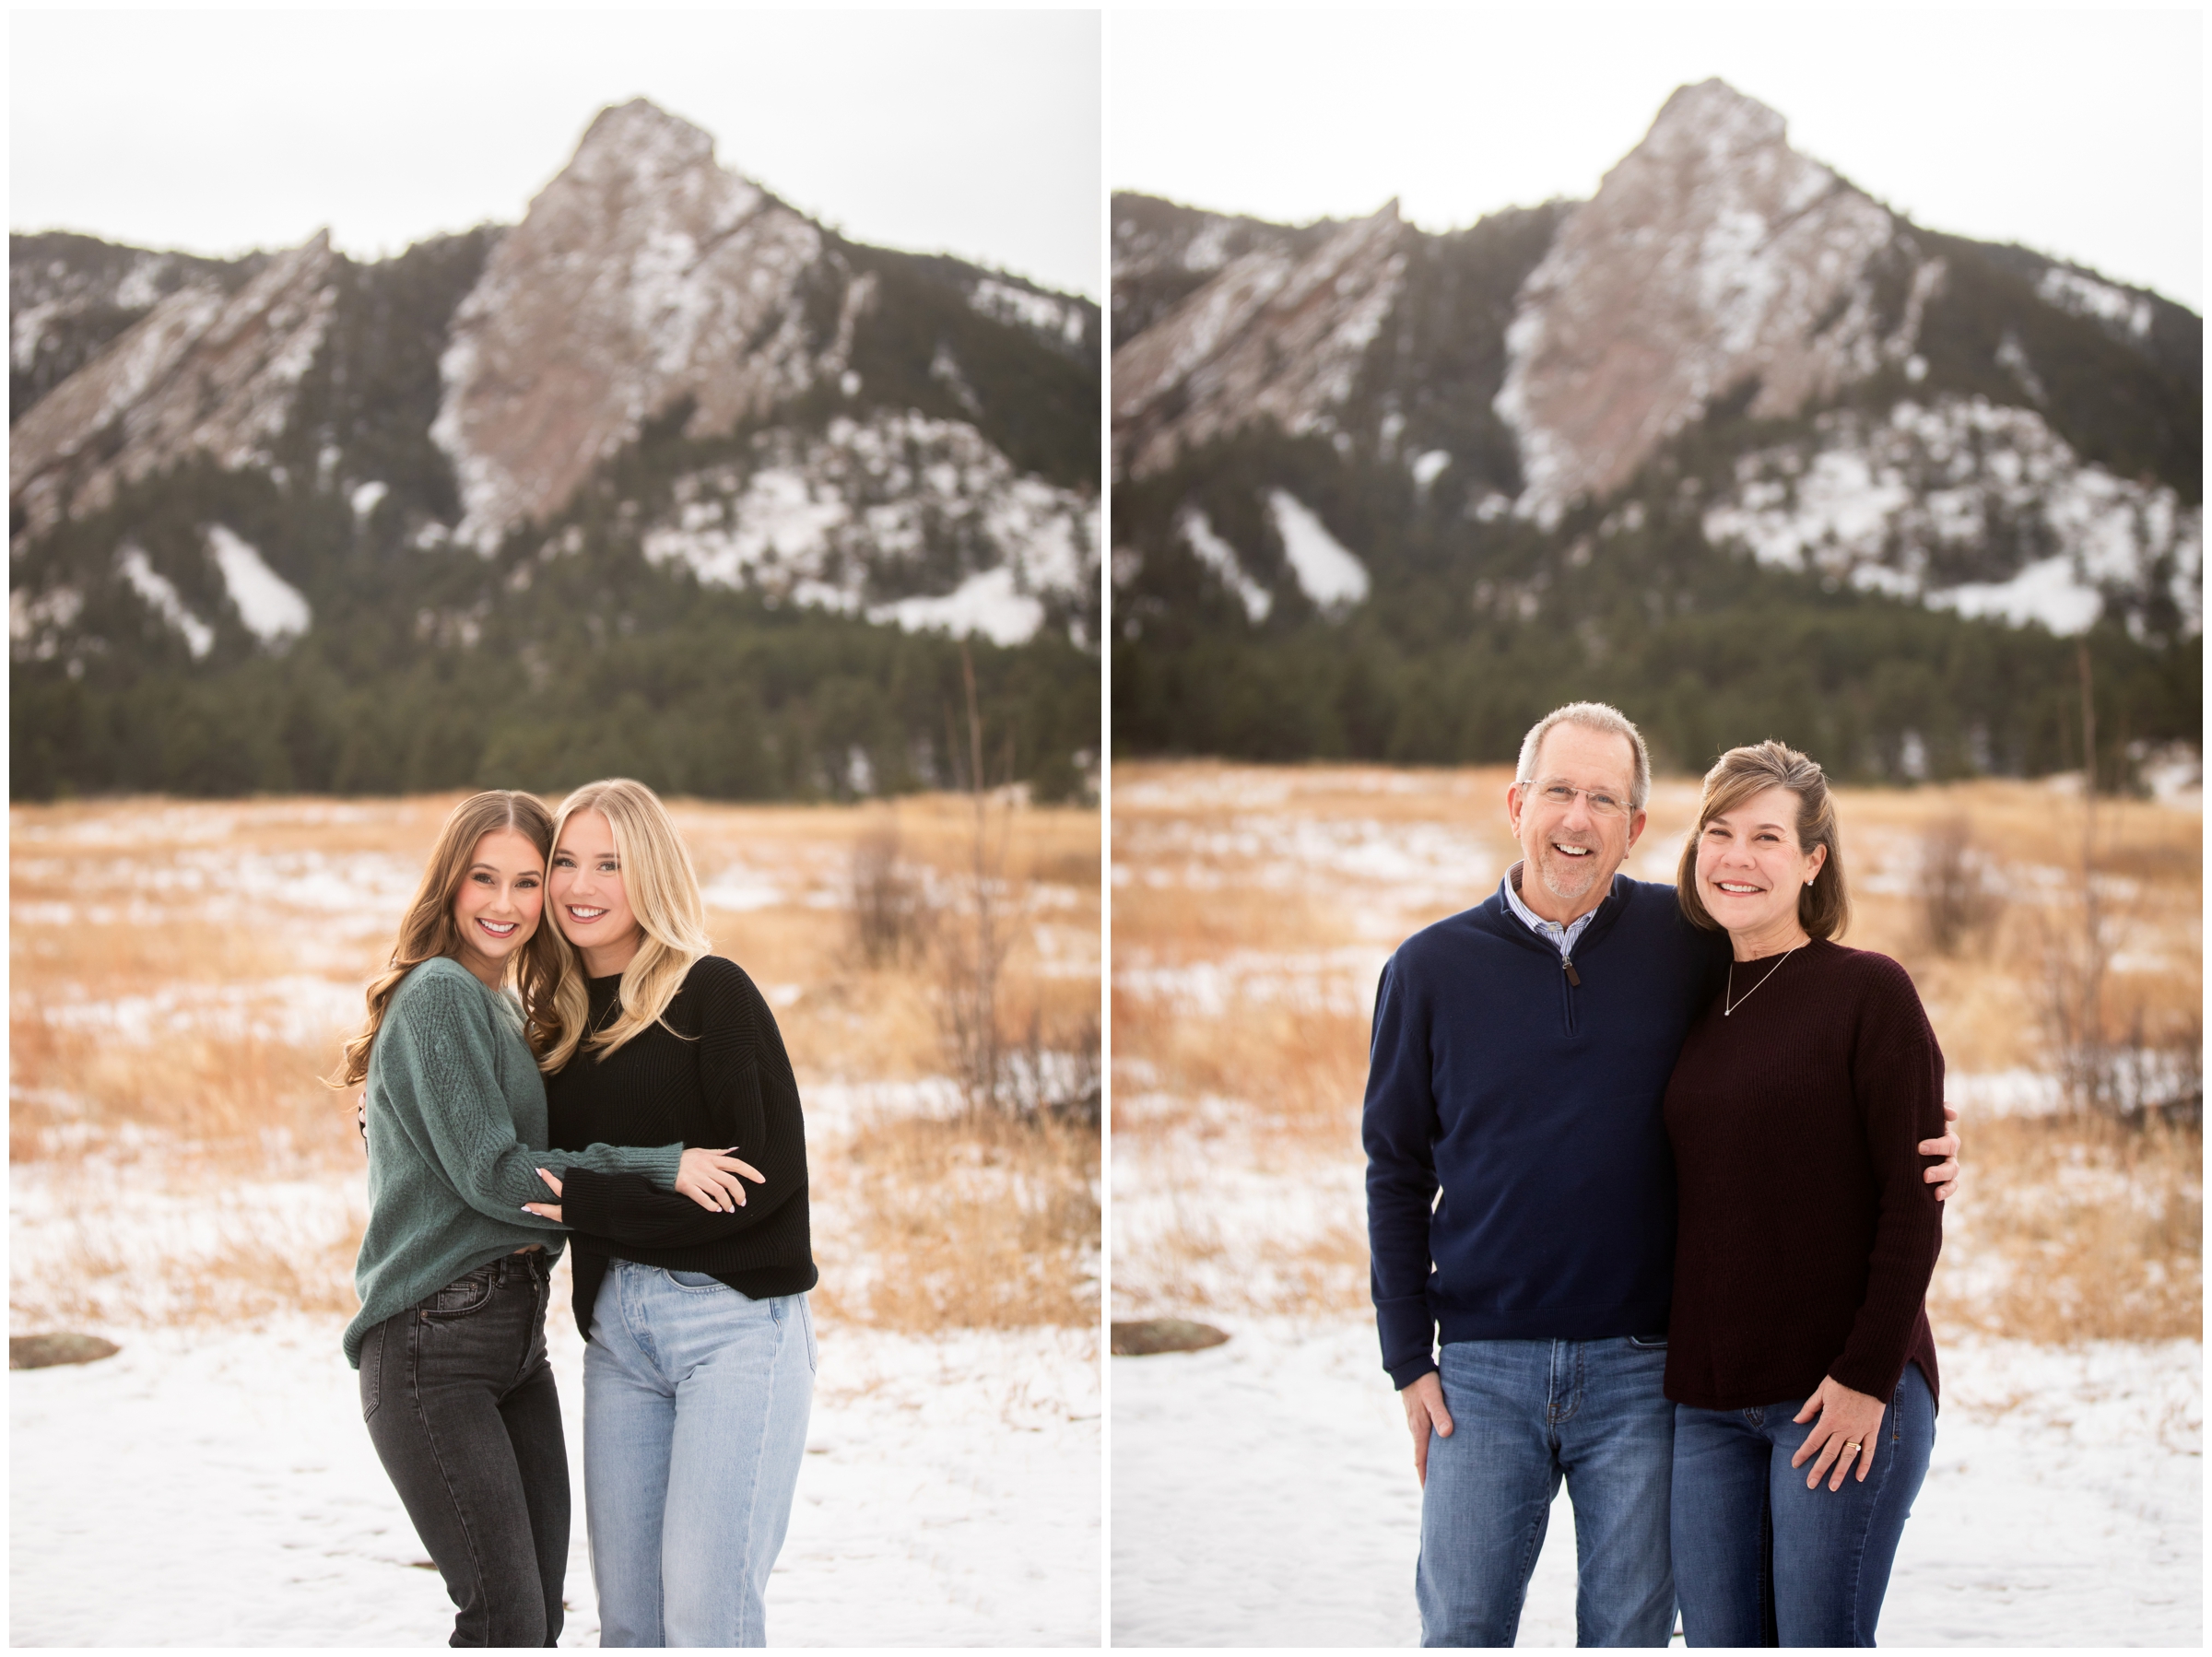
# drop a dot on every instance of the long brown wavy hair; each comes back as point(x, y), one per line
point(429, 931)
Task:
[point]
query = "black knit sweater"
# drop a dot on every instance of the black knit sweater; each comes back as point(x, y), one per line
point(715, 1077)
point(1807, 1232)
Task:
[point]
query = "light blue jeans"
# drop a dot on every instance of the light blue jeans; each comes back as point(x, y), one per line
point(695, 1406)
point(1524, 1414)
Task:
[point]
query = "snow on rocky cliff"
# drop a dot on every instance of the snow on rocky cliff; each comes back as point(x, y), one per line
point(643, 274)
point(900, 517)
point(1274, 336)
point(1713, 254)
point(1970, 506)
point(200, 374)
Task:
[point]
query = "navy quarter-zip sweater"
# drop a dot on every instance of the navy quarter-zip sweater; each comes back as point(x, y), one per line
point(1527, 1089)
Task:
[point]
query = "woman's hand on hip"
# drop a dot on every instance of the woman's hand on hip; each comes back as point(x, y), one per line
point(714, 1179)
point(1849, 1429)
point(548, 1211)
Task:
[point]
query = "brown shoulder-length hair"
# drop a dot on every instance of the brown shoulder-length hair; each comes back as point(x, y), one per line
point(429, 931)
point(1824, 907)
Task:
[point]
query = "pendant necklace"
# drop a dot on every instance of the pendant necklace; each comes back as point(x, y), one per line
point(1731, 1001)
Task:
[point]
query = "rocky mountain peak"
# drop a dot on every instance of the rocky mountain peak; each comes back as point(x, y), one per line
point(1279, 335)
point(1714, 259)
point(202, 373)
point(643, 274)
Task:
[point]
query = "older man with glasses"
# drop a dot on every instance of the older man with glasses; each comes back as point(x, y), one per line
point(1520, 1052)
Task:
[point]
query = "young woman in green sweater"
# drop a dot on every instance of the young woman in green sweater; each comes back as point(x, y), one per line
point(453, 1273)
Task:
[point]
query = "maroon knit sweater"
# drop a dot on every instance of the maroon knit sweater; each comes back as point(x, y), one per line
point(1807, 1235)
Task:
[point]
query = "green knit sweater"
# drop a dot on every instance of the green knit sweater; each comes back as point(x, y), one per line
point(456, 1133)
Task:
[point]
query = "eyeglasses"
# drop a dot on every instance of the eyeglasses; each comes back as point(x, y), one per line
point(1562, 794)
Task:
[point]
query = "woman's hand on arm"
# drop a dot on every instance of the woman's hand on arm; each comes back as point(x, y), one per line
point(714, 1179)
point(1849, 1429)
point(711, 1178)
point(546, 1211)
point(1944, 1175)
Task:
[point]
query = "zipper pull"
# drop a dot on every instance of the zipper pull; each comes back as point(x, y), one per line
point(1573, 977)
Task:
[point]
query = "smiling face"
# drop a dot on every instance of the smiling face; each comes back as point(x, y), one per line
point(1570, 852)
point(1751, 870)
point(590, 904)
point(501, 901)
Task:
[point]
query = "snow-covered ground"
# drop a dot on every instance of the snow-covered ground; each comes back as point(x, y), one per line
point(1264, 1495)
point(217, 1487)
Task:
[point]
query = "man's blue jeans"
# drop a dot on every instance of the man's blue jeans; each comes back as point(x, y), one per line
point(1760, 1559)
point(1525, 1414)
point(695, 1406)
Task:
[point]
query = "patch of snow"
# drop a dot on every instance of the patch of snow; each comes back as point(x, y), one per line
point(272, 608)
point(1872, 500)
point(2046, 591)
point(2085, 296)
point(1331, 575)
point(742, 889)
point(1221, 557)
point(35, 619)
point(1004, 302)
point(833, 520)
point(366, 496)
point(985, 604)
point(949, 1495)
point(2062, 1504)
point(1427, 468)
point(161, 594)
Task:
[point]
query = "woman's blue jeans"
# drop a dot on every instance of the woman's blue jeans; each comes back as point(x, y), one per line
point(1760, 1560)
point(695, 1406)
point(1525, 1414)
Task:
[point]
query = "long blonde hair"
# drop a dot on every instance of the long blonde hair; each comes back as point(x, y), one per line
point(663, 888)
point(428, 931)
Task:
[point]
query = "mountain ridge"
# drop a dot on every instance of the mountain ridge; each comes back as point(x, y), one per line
point(409, 446)
point(1728, 361)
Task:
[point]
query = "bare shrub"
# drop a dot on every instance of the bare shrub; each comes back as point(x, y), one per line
point(984, 1222)
point(889, 907)
point(2074, 1228)
point(1956, 904)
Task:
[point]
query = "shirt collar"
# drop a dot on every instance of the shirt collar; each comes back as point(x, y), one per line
point(1564, 936)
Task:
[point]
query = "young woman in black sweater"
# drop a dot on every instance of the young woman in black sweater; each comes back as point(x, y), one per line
point(698, 1366)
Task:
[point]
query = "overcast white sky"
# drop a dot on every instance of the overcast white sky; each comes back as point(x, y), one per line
point(969, 132)
point(2077, 133)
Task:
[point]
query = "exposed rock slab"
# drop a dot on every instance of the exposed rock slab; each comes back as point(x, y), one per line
point(643, 274)
point(1275, 336)
point(200, 374)
point(1711, 255)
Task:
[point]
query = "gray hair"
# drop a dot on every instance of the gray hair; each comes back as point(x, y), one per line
point(1592, 716)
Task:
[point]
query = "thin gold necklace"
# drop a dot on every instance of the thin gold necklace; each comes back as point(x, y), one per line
point(1730, 1001)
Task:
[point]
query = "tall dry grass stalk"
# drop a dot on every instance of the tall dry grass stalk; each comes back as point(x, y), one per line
point(173, 966)
point(1254, 905)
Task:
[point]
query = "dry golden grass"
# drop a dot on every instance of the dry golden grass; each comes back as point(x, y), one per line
point(1253, 904)
point(2074, 1229)
point(966, 1223)
point(181, 973)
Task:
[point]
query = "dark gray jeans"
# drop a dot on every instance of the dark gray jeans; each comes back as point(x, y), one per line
point(461, 1406)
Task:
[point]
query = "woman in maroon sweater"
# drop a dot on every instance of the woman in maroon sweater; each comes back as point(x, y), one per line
point(1798, 1333)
